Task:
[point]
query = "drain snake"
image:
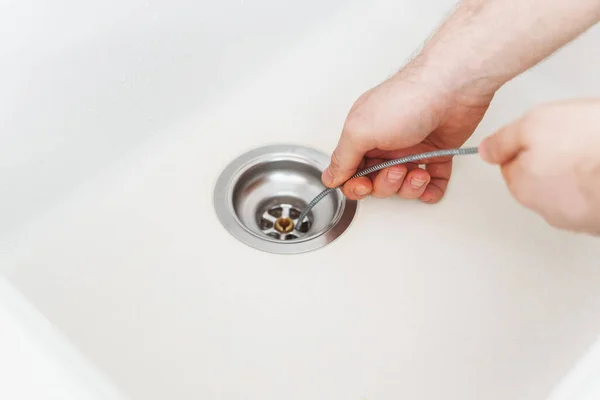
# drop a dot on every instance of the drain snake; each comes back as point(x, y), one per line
point(403, 160)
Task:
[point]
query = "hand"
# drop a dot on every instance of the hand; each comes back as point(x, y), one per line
point(550, 159)
point(413, 112)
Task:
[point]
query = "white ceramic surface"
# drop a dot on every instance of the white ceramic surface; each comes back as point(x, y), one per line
point(116, 120)
point(37, 363)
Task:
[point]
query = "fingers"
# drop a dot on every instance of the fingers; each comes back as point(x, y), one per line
point(358, 188)
point(502, 146)
point(385, 183)
point(407, 180)
point(415, 184)
point(440, 176)
point(388, 181)
point(344, 161)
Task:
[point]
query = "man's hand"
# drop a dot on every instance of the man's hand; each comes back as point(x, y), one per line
point(413, 112)
point(438, 99)
point(550, 159)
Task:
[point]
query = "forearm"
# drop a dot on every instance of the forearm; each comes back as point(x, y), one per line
point(492, 41)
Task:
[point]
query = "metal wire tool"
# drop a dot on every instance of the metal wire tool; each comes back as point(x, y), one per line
point(387, 164)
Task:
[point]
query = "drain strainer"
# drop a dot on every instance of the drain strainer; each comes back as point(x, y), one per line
point(281, 222)
point(260, 195)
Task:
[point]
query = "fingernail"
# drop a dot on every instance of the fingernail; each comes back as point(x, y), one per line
point(361, 191)
point(417, 183)
point(394, 175)
point(328, 177)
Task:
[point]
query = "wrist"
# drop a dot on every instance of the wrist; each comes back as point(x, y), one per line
point(462, 81)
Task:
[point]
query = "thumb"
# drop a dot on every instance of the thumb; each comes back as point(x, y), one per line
point(345, 161)
point(504, 145)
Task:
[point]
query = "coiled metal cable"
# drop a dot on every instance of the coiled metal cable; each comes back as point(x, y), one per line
point(403, 160)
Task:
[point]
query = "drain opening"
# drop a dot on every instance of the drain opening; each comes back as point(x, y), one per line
point(281, 222)
point(259, 197)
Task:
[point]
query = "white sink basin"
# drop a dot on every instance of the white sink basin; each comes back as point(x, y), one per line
point(117, 119)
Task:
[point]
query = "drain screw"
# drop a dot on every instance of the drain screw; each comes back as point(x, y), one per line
point(281, 222)
point(284, 225)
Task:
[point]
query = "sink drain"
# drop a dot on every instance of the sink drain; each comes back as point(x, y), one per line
point(281, 222)
point(260, 195)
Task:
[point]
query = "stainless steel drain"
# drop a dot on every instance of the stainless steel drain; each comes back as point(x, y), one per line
point(260, 195)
